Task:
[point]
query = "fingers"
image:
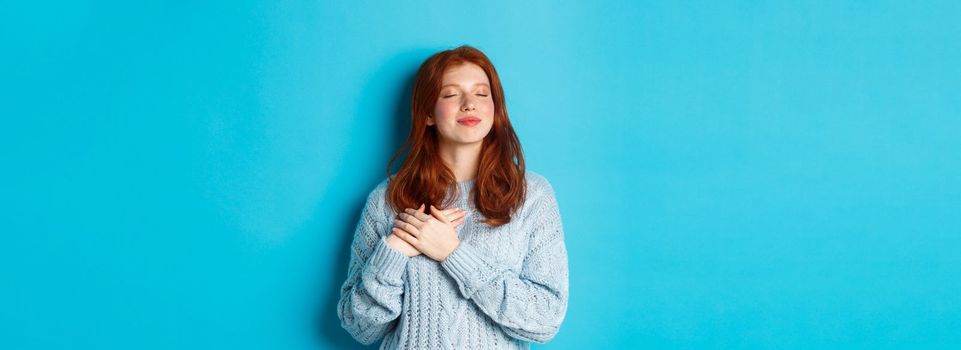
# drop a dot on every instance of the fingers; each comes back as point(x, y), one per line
point(440, 216)
point(406, 226)
point(454, 214)
point(457, 215)
point(410, 216)
point(420, 215)
point(413, 220)
point(449, 211)
point(404, 235)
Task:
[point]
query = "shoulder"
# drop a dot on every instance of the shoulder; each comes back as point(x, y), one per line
point(538, 187)
point(380, 188)
point(540, 207)
point(539, 201)
point(377, 198)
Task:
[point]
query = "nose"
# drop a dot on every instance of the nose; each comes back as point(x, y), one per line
point(468, 106)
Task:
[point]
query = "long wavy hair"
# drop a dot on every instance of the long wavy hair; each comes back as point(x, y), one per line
point(499, 188)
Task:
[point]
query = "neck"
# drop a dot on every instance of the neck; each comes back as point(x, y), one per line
point(462, 159)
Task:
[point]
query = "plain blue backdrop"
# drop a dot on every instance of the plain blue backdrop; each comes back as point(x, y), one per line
point(738, 175)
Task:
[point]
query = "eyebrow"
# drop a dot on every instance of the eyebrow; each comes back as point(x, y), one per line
point(485, 84)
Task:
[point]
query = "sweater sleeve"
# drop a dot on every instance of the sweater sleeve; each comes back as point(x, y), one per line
point(528, 305)
point(371, 298)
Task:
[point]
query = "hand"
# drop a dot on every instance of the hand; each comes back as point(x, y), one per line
point(400, 245)
point(433, 235)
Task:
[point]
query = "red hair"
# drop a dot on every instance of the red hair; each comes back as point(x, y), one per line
point(499, 188)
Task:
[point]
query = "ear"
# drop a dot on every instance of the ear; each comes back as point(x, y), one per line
point(430, 120)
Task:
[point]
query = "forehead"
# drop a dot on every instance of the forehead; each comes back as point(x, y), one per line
point(467, 74)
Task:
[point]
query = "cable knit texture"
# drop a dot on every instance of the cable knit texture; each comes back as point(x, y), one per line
point(502, 288)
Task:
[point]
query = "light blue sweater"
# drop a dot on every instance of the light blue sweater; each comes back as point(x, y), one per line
point(502, 288)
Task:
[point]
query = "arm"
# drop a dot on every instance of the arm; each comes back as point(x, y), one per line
point(371, 298)
point(529, 305)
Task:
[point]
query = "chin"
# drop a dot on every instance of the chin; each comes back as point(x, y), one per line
point(470, 142)
point(461, 141)
point(468, 138)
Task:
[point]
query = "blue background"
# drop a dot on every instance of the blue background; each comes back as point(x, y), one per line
point(741, 175)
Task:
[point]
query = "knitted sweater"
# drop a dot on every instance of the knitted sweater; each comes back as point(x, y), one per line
point(502, 288)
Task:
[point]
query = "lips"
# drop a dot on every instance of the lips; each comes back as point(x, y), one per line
point(469, 121)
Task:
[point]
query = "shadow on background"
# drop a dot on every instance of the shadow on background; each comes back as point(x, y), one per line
point(372, 173)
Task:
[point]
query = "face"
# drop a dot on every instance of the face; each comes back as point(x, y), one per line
point(464, 112)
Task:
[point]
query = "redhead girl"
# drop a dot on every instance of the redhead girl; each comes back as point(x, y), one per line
point(462, 248)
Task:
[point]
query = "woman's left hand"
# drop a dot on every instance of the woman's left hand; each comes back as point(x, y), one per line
point(433, 235)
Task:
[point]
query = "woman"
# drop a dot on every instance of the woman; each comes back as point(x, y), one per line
point(489, 270)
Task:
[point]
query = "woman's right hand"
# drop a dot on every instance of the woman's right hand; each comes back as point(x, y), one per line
point(402, 246)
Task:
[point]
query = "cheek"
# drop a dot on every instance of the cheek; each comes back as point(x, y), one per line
point(488, 106)
point(445, 109)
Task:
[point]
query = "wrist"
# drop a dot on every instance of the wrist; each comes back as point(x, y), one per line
point(456, 245)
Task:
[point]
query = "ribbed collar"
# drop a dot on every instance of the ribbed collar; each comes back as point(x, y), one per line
point(465, 186)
